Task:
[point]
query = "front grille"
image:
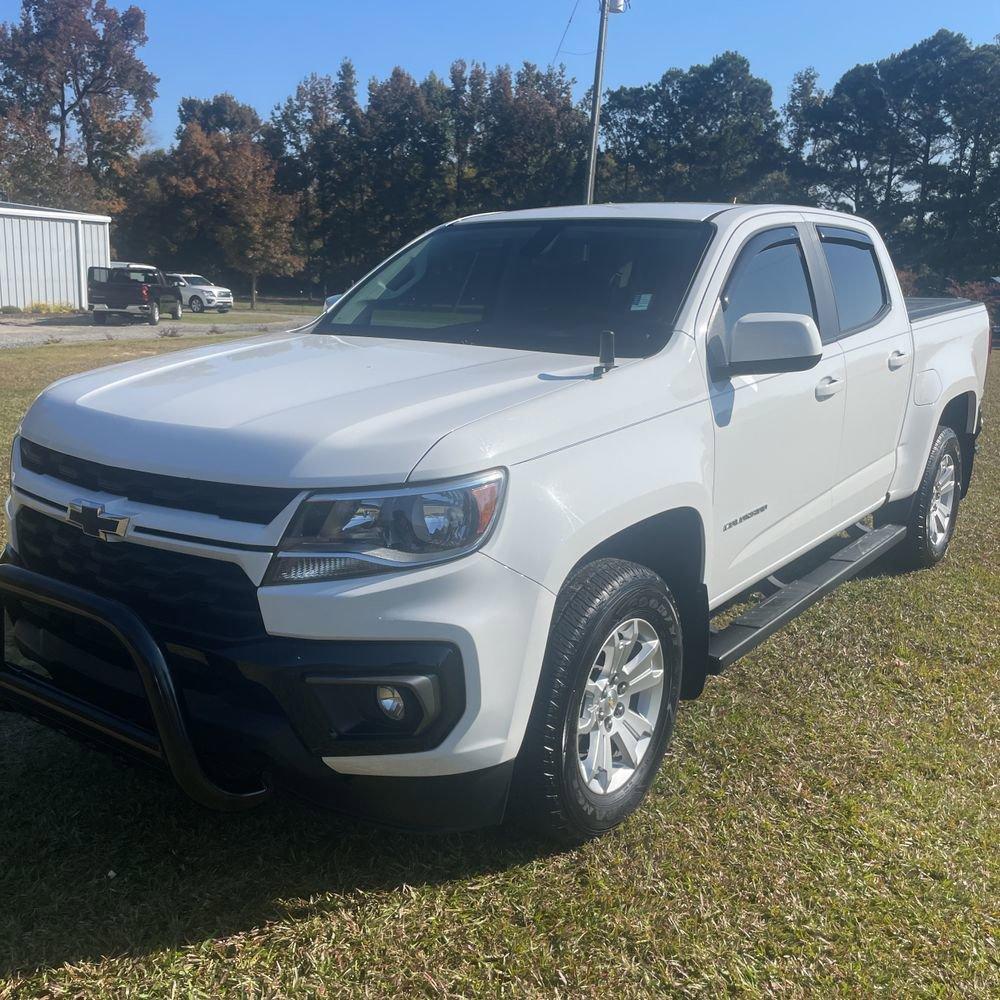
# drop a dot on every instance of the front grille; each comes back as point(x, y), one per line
point(169, 591)
point(253, 504)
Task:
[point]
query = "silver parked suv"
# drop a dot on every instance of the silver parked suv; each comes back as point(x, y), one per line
point(199, 294)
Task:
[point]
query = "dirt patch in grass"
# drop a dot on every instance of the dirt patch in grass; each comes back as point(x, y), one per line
point(826, 824)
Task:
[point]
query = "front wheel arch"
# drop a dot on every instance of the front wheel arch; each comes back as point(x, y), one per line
point(672, 545)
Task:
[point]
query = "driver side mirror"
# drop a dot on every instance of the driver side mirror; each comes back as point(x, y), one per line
point(768, 343)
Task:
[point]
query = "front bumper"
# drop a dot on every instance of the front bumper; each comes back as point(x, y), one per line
point(230, 723)
point(169, 742)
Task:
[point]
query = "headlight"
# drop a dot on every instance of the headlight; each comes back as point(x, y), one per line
point(13, 452)
point(357, 534)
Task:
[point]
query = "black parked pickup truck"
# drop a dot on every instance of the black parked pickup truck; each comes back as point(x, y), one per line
point(131, 290)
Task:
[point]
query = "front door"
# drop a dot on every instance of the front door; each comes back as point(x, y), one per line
point(777, 437)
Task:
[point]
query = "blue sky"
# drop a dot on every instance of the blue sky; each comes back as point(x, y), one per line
point(260, 50)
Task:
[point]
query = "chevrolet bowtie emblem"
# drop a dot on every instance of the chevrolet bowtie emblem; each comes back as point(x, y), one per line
point(91, 520)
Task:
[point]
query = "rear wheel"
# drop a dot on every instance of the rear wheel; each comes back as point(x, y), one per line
point(606, 702)
point(154, 313)
point(934, 508)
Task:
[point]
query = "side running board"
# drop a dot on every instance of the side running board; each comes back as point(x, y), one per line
point(748, 631)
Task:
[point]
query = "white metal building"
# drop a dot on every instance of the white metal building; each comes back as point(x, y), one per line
point(45, 253)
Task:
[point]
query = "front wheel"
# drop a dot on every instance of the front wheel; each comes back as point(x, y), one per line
point(606, 702)
point(195, 304)
point(177, 311)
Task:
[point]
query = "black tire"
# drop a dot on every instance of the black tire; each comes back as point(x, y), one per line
point(177, 311)
point(100, 318)
point(195, 304)
point(153, 316)
point(549, 793)
point(921, 549)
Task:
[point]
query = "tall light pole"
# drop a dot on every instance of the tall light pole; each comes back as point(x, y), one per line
point(607, 7)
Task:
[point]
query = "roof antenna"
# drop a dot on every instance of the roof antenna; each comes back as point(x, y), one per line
point(606, 358)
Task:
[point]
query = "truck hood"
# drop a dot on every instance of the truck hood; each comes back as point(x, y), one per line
point(301, 410)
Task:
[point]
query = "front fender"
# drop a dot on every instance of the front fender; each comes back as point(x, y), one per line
point(561, 506)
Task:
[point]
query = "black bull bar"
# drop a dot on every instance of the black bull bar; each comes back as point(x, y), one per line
point(171, 743)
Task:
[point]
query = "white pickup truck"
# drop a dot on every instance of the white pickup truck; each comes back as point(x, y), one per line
point(454, 550)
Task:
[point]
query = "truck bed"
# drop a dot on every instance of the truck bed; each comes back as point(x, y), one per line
point(919, 308)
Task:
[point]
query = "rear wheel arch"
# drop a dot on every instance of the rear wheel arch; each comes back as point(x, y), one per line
point(960, 415)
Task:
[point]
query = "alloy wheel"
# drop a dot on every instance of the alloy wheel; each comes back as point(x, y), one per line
point(620, 706)
point(943, 497)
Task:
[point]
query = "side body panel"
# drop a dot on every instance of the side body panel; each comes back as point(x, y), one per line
point(950, 356)
point(776, 442)
point(879, 367)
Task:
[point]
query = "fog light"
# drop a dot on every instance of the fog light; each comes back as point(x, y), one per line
point(390, 701)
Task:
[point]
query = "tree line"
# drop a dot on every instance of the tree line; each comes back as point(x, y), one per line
point(337, 176)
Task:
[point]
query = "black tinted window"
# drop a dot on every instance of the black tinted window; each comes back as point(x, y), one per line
point(127, 274)
point(770, 276)
point(546, 286)
point(857, 279)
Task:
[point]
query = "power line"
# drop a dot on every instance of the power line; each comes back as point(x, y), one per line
point(565, 32)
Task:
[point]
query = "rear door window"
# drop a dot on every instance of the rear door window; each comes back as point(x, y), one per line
point(142, 277)
point(859, 288)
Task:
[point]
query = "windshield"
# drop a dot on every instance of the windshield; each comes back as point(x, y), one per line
point(197, 279)
point(543, 286)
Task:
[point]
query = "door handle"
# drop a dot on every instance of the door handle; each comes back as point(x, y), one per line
point(828, 387)
point(897, 359)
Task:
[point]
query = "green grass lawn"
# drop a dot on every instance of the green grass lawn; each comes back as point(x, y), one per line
point(826, 824)
point(267, 311)
point(284, 305)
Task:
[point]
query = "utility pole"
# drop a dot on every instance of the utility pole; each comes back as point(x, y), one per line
point(607, 7)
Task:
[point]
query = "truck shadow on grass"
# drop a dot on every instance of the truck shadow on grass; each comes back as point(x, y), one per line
point(99, 858)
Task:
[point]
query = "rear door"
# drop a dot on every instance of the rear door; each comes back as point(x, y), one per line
point(124, 287)
point(97, 279)
point(777, 437)
point(874, 334)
